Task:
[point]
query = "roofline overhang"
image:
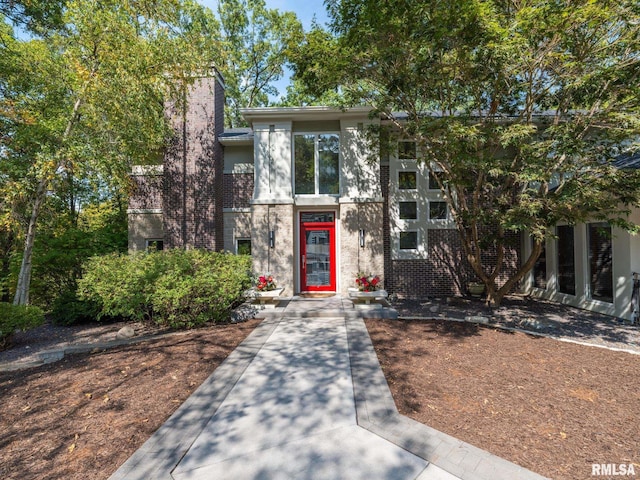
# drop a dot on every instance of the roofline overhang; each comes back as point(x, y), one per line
point(268, 114)
point(235, 142)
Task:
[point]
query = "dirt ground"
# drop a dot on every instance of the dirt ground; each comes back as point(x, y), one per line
point(553, 407)
point(550, 406)
point(82, 417)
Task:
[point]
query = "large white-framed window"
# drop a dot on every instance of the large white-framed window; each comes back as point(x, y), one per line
point(316, 163)
point(600, 256)
point(566, 259)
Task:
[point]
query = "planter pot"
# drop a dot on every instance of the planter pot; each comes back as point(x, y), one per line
point(373, 299)
point(268, 298)
point(476, 289)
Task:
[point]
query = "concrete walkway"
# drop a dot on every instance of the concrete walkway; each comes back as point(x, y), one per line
point(303, 397)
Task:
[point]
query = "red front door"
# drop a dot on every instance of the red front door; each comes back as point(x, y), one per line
point(317, 252)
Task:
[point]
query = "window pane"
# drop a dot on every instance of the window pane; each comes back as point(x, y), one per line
point(600, 262)
point(408, 240)
point(438, 210)
point(540, 270)
point(313, 217)
point(243, 246)
point(155, 245)
point(409, 210)
point(328, 163)
point(407, 180)
point(407, 150)
point(304, 151)
point(433, 184)
point(566, 261)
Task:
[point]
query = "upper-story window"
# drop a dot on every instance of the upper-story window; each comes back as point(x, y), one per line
point(316, 164)
point(407, 150)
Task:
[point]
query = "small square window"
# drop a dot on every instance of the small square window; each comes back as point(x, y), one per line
point(438, 210)
point(407, 150)
point(408, 210)
point(154, 245)
point(243, 246)
point(433, 184)
point(407, 180)
point(408, 240)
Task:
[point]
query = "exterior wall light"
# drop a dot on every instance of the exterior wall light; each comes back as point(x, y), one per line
point(272, 238)
point(361, 237)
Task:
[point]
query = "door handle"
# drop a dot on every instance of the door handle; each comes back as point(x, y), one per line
point(304, 262)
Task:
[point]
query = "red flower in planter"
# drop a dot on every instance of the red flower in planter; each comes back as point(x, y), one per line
point(265, 283)
point(367, 283)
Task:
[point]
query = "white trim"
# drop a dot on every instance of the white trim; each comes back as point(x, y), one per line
point(361, 200)
point(244, 168)
point(266, 114)
point(315, 200)
point(144, 210)
point(272, 201)
point(237, 210)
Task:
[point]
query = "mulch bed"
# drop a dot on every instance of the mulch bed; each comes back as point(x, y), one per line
point(83, 416)
point(552, 407)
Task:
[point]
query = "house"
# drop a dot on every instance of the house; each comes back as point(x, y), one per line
point(590, 265)
point(304, 194)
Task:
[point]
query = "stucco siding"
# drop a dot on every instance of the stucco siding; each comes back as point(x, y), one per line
point(143, 226)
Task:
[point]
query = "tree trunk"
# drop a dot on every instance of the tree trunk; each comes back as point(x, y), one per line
point(24, 277)
point(495, 296)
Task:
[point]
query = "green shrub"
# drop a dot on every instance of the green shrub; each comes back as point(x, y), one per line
point(121, 284)
point(17, 317)
point(68, 309)
point(178, 288)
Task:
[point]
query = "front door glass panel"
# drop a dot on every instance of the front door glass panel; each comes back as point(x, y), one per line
point(318, 258)
point(317, 252)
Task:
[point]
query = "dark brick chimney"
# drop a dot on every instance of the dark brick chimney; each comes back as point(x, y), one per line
point(193, 168)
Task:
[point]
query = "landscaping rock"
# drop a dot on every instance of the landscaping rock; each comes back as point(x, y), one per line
point(125, 333)
point(476, 319)
point(244, 312)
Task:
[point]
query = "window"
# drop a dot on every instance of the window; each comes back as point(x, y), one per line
point(316, 164)
point(407, 150)
point(408, 180)
point(540, 270)
point(566, 260)
point(408, 240)
point(437, 210)
point(243, 246)
point(433, 184)
point(154, 244)
point(600, 262)
point(408, 210)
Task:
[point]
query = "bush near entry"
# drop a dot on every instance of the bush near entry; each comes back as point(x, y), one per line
point(177, 288)
point(17, 317)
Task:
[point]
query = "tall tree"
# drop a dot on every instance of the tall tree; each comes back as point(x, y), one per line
point(90, 97)
point(519, 108)
point(256, 40)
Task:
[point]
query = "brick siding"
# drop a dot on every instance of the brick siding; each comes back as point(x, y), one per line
point(445, 271)
point(146, 192)
point(238, 190)
point(193, 186)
